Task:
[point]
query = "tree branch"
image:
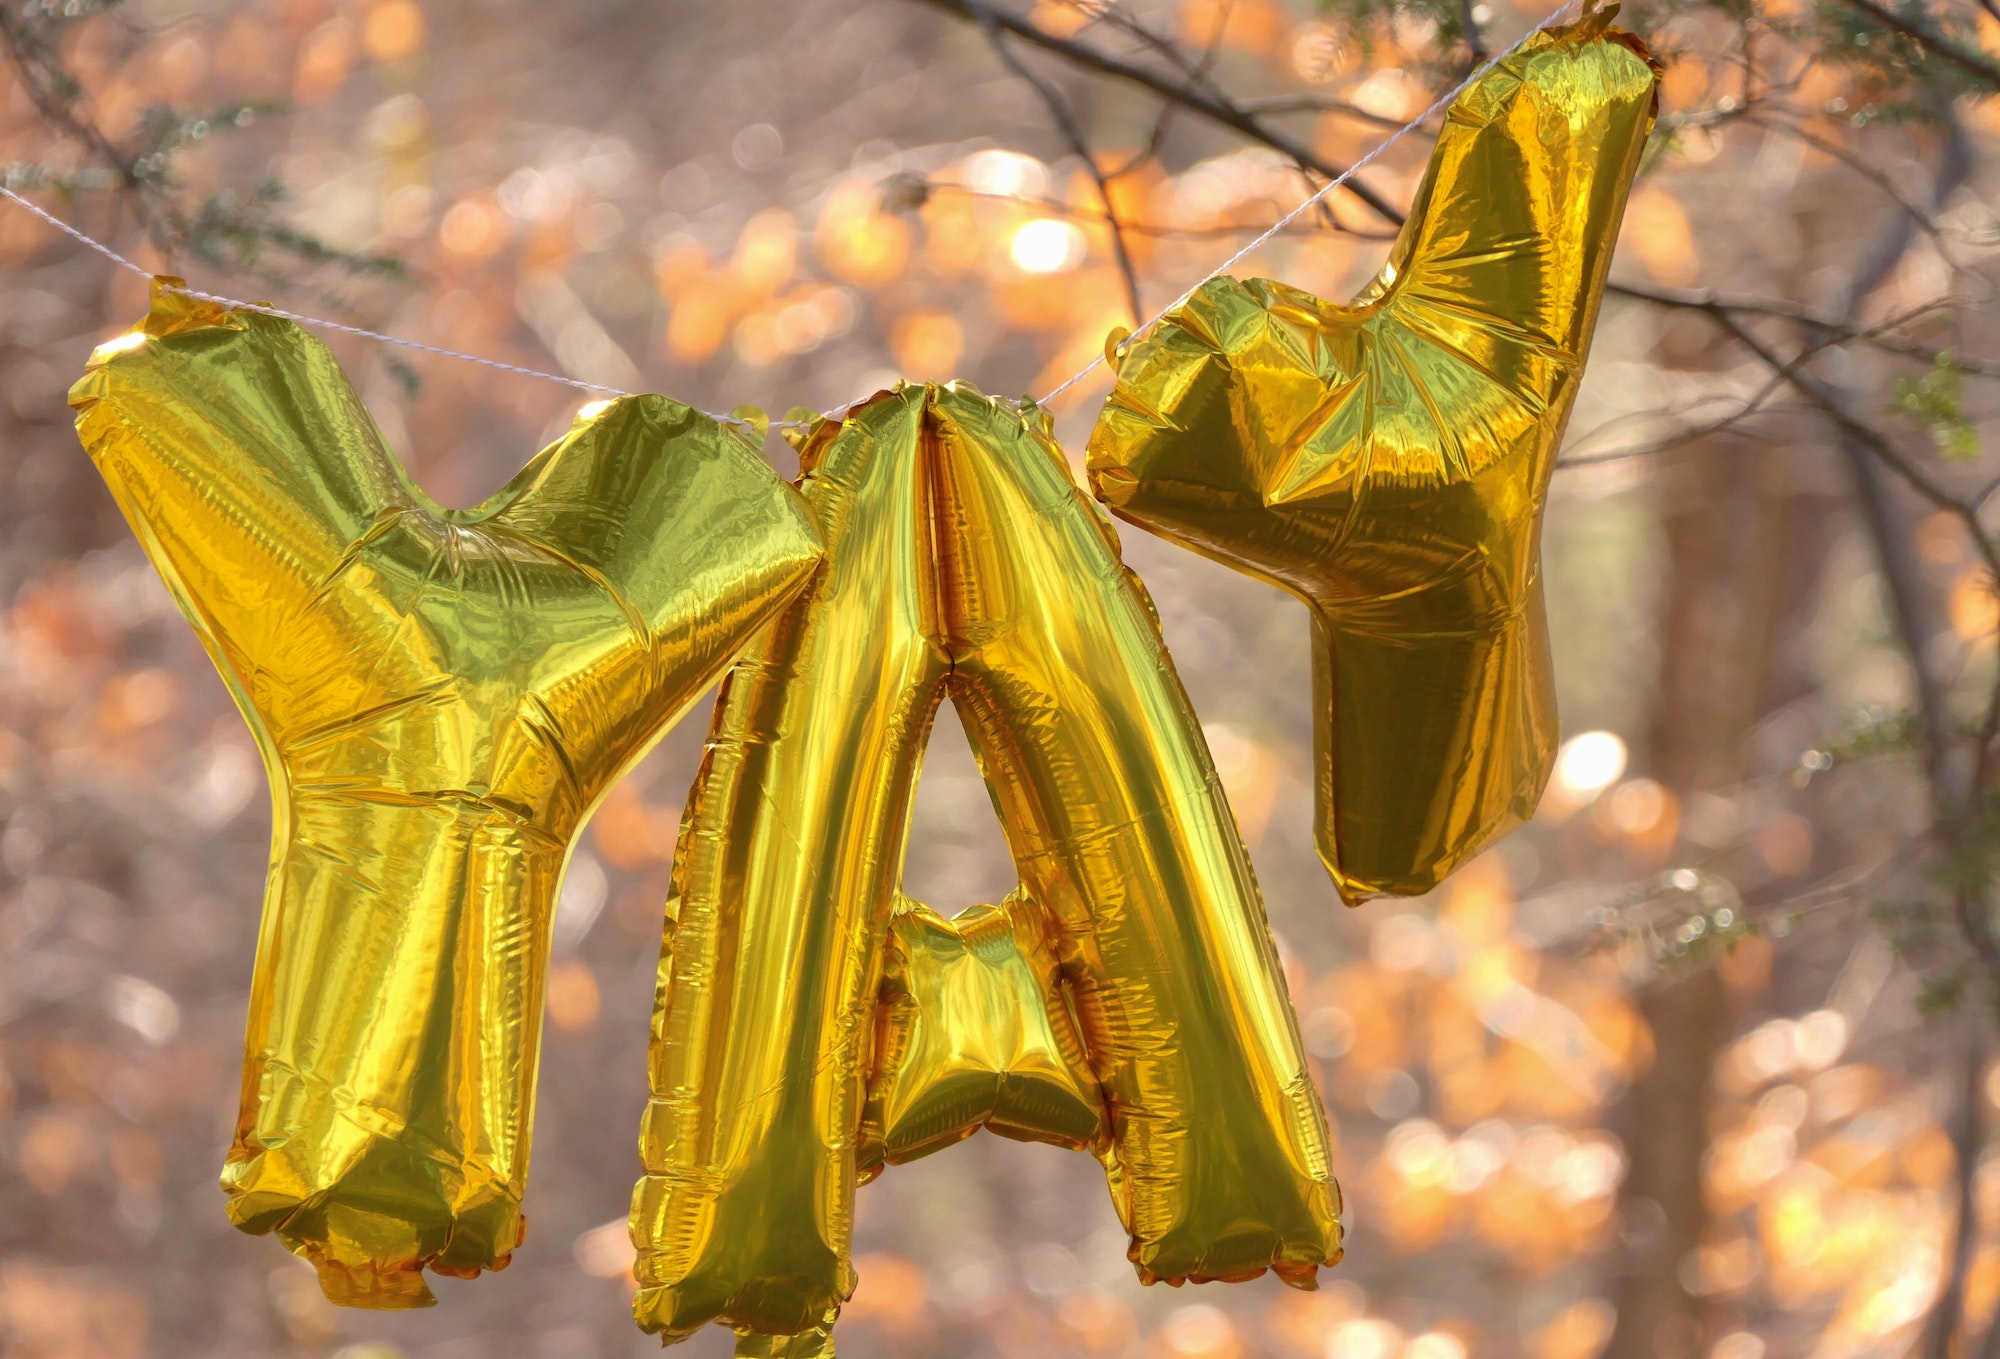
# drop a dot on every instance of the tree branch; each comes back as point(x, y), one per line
point(905, 190)
point(1863, 440)
point(1957, 801)
point(1876, 335)
point(1792, 370)
point(1475, 41)
point(1210, 106)
point(1318, 103)
point(1825, 147)
point(1065, 121)
point(1757, 402)
point(1974, 65)
point(44, 80)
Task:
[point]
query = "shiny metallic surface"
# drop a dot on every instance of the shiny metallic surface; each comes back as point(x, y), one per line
point(1388, 461)
point(441, 698)
point(815, 1342)
point(963, 562)
point(974, 1031)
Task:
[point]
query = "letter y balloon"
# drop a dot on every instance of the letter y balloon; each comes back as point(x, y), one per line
point(441, 698)
point(1388, 461)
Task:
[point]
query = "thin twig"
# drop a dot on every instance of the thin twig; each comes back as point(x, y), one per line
point(1065, 121)
point(1194, 70)
point(1276, 104)
point(1155, 139)
point(1778, 308)
point(1474, 39)
point(1969, 62)
point(1792, 370)
point(1750, 406)
point(1923, 220)
point(1212, 107)
point(42, 77)
point(1060, 208)
point(1197, 73)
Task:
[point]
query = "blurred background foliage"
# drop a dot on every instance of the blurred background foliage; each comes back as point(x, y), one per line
point(1697, 1066)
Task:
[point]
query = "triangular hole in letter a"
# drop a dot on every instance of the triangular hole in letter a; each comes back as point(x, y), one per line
point(957, 850)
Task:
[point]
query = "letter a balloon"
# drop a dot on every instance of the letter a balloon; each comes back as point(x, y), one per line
point(1387, 461)
point(962, 562)
point(441, 697)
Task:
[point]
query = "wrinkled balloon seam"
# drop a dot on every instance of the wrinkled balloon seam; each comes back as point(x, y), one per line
point(264, 308)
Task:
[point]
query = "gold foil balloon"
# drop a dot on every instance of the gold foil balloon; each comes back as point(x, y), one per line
point(1387, 461)
point(974, 1032)
point(816, 1342)
point(962, 562)
point(441, 698)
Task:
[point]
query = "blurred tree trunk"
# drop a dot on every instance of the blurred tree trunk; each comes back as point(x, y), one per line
point(1746, 534)
point(1661, 1214)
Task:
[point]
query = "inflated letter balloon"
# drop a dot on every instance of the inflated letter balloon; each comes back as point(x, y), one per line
point(441, 697)
point(1387, 462)
point(962, 561)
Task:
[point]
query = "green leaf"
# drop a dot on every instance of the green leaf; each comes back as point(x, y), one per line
point(1937, 401)
point(1940, 992)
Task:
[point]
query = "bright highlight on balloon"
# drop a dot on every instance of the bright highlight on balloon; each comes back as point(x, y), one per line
point(1588, 763)
point(118, 344)
point(1047, 245)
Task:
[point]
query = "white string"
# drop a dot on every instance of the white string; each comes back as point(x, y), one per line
point(140, 269)
point(1443, 101)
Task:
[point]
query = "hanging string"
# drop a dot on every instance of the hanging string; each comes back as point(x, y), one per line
point(319, 321)
point(1442, 102)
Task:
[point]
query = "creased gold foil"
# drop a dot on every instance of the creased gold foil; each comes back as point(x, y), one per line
point(441, 697)
point(1387, 461)
point(815, 1342)
point(974, 1031)
point(963, 562)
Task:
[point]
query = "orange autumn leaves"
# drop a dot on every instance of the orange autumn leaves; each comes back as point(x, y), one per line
point(994, 243)
point(789, 286)
point(384, 32)
point(1492, 1059)
point(1521, 1052)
